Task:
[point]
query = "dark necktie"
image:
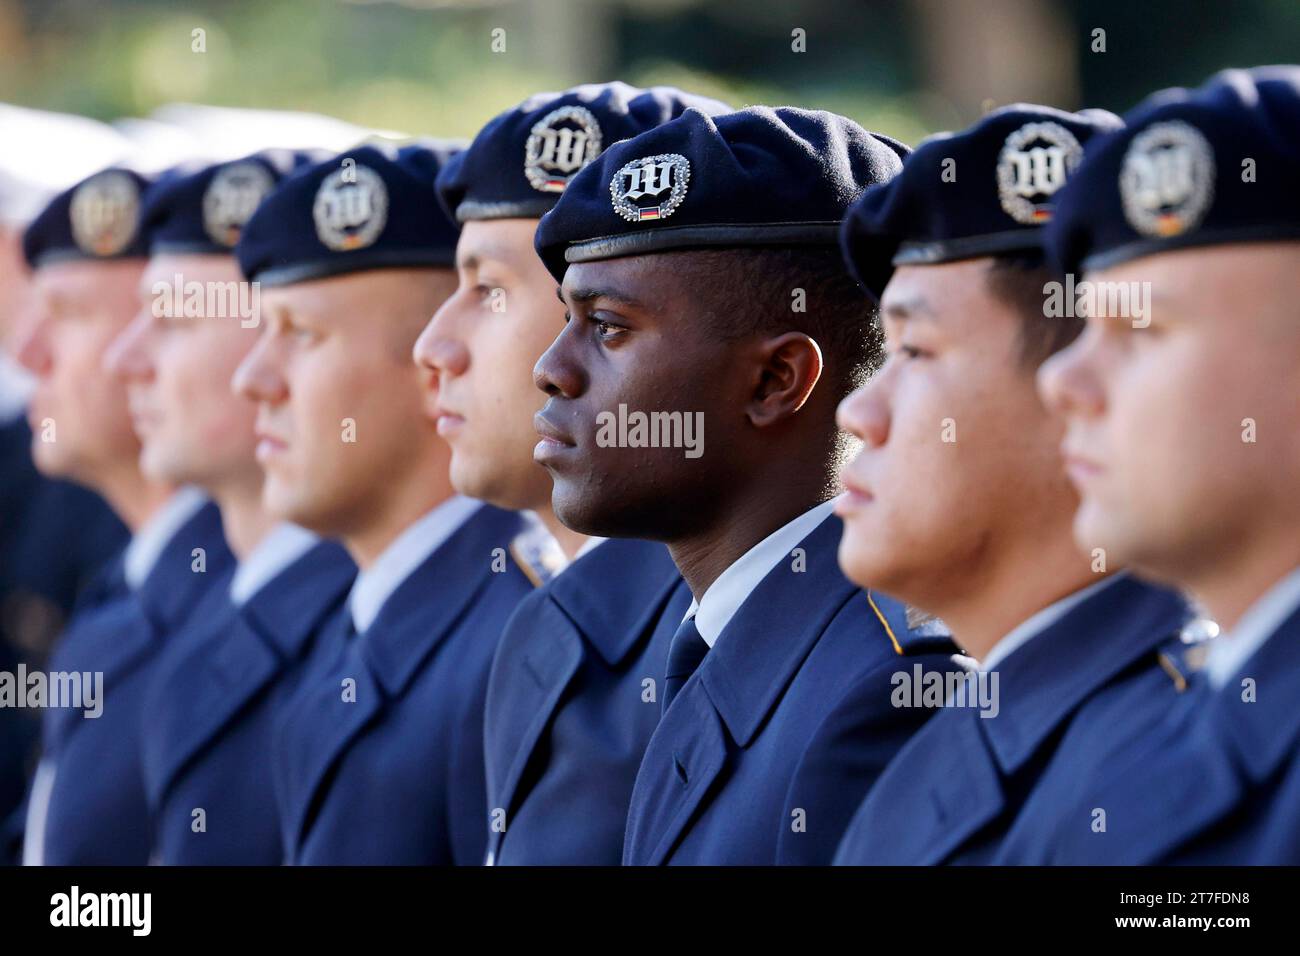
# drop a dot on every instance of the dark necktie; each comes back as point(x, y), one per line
point(684, 656)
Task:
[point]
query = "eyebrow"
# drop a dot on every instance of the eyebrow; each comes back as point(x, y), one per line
point(475, 258)
point(589, 295)
point(907, 308)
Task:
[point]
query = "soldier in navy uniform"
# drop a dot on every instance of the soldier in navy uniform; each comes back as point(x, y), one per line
point(1181, 442)
point(44, 565)
point(702, 278)
point(957, 502)
point(86, 804)
point(568, 713)
point(378, 756)
point(219, 684)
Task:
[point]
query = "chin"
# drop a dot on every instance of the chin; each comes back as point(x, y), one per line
point(50, 461)
point(473, 483)
point(857, 565)
point(159, 469)
point(578, 514)
point(1094, 528)
point(281, 503)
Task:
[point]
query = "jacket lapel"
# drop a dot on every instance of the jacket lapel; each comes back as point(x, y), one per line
point(245, 650)
point(173, 587)
point(415, 619)
point(689, 751)
point(921, 818)
point(317, 731)
point(927, 816)
point(1043, 683)
point(615, 593)
point(1224, 747)
point(741, 680)
point(608, 601)
point(111, 637)
point(535, 680)
point(129, 632)
point(435, 598)
point(762, 648)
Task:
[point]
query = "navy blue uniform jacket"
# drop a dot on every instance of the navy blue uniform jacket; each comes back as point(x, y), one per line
point(959, 787)
point(212, 706)
point(97, 812)
point(717, 783)
point(568, 709)
point(1217, 783)
point(394, 775)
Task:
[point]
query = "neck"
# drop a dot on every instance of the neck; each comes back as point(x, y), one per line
point(389, 515)
point(739, 525)
point(571, 542)
point(133, 497)
point(1011, 588)
point(1227, 589)
point(243, 519)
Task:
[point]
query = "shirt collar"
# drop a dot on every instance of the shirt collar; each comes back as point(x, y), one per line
point(1040, 621)
point(724, 597)
point(147, 544)
point(407, 552)
point(282, 545)
point(1230, 650)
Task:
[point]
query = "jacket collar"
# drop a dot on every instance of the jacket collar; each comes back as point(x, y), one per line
point(286, 611)
point(426, 606)
point(173, 586)
point(1046, 679)
point(1265, 731)
point(614, 593)
point(761, 648)
point(242, 653)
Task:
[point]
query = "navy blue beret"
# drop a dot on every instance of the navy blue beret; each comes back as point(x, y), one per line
point(520, 162)
point(756, 177)
point(1191, 168)
point(204, 211)
point(986, 190)
point(99, 218)
point(371, 207)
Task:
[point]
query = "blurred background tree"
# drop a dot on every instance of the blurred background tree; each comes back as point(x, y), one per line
point(906, 67)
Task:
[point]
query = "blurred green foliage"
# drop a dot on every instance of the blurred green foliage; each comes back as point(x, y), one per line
point(427, 66)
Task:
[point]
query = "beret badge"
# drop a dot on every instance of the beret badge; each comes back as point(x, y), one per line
point(1034, 163)
point(559, 145)
point(1166, 182)
point(351, 208)
point(105, 213)
point(651, 187)
point(231, 199)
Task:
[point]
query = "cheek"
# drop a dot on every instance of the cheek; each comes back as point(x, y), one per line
point(81, 379)
point(77, 362)
point(510, 379)
point(927, 426)
point(1168, 415)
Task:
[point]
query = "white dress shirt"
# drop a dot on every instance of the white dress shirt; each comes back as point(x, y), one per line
point(147, 544)
point(376, 584)
point(1039, 622)
point(38, 805)
point(733, 586)
point(1231, 649)
point(282, 546)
